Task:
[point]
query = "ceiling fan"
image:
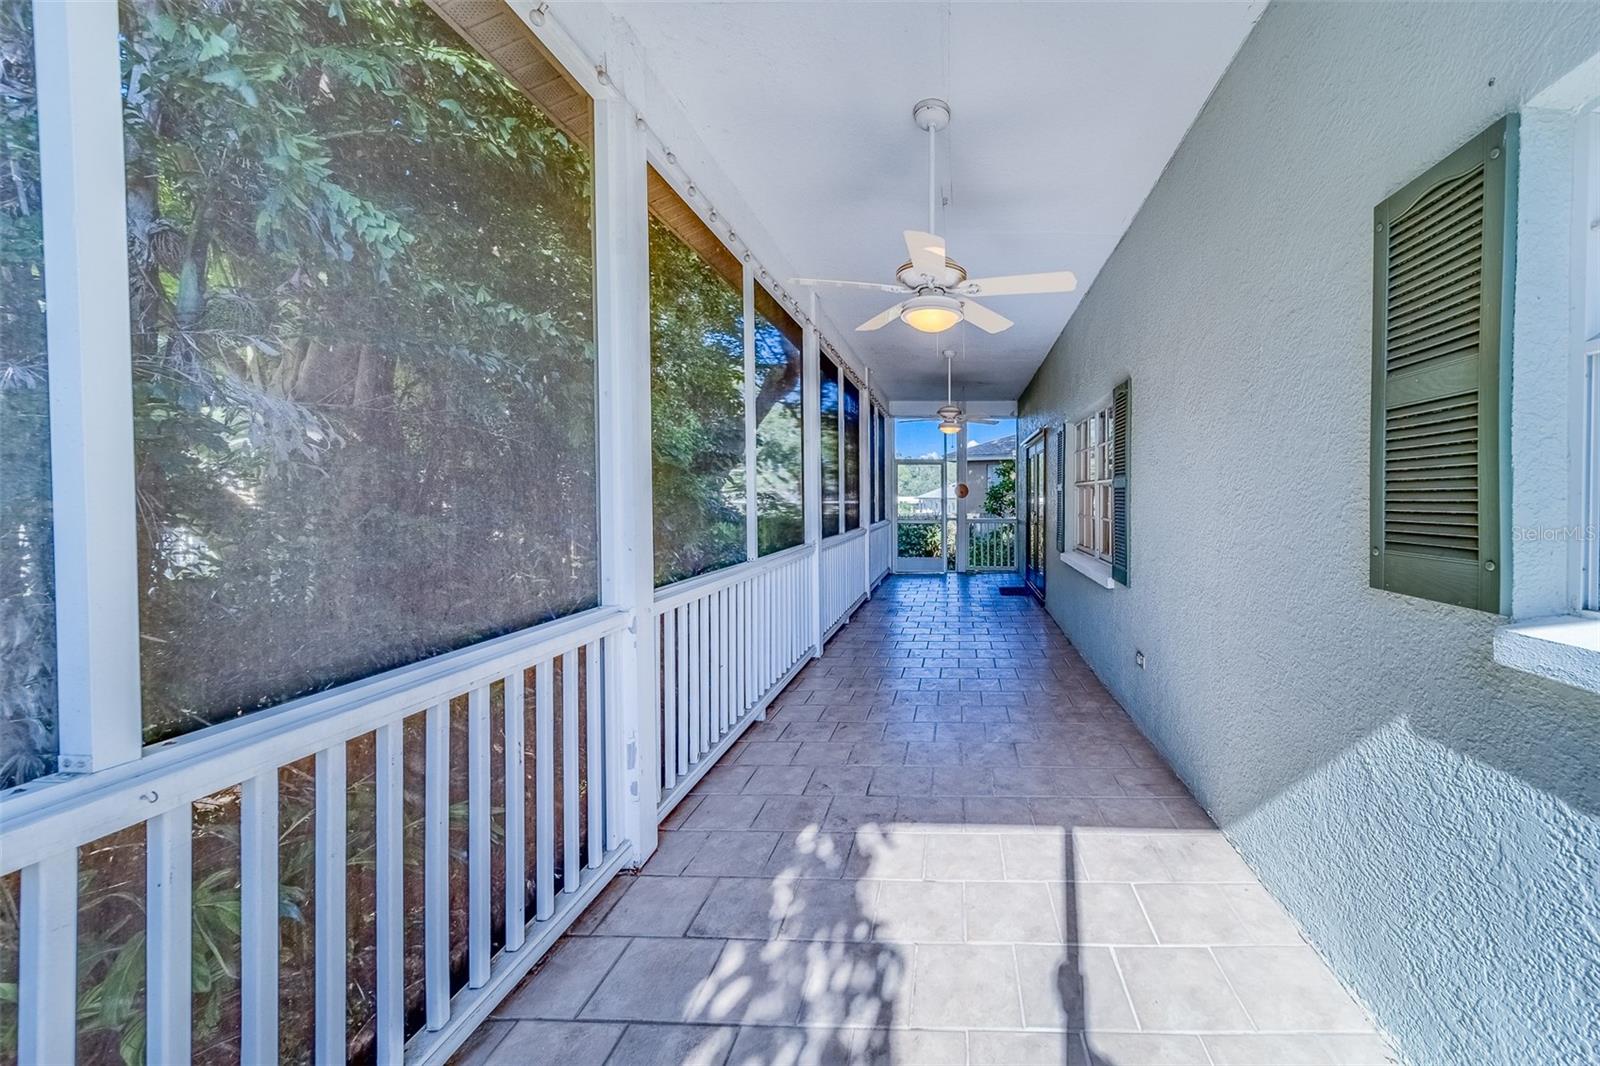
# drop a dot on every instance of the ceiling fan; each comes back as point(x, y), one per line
point(952, 417)
point(939, 289)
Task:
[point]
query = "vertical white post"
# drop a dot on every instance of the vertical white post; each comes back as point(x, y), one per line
point(478, 875)
point(331, 858)
point(891, 491)
point(391, 904)
point(91, 384)
point(697, 681)
point(571, 856)
point(544, 791)
point(258, 924)
point(169, 937)
point(436, 865)
point(869, 477)
point(622, 272)
point(516, 812)
point(680, 619)
point(811, 454)
point(962, 533)
point(616, 785)
point(47, 967)
point(751, 542)
point(594, 774)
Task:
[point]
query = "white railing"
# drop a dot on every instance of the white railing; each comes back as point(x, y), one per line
point(991, 544)
point(569, 728)
point(726, 643)
point(880, 550)
point(843, 577)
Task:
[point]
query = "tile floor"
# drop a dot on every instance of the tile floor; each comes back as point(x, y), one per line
point(946, 844)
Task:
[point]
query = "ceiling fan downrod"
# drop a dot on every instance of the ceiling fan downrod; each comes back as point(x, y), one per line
point(933, 115)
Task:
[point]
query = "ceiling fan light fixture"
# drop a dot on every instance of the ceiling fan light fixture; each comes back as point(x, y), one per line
point(931, 313)
point(950, 425)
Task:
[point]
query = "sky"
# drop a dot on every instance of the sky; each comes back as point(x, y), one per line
point(920, 438)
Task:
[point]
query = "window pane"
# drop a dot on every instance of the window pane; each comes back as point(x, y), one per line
point(919, 489)
point(780, 466)
point(830, 446)
point(696, 392)
point(27, 558)
point(992, 469)
point(880, 466)
point(919, 438)
point(364, 380)
point(852, 455)
point(918, 540)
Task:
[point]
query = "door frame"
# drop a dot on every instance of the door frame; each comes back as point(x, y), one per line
point(1034, 511)
point(919, 565)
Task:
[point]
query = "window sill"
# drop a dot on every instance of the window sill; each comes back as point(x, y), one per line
point(1094, 569)
point(1565, 649)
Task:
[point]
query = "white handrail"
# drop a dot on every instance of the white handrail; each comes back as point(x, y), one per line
point(692, 588)
point(43, 816)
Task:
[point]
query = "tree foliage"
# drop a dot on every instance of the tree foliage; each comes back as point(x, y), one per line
point(1001, 496)
point(362, 322)
point(27, 558)
point(696, 411)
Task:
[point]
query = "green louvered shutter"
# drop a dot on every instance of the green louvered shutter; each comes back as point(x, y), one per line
point(1061, 488)
point(1441, 331)
point(1121, 445)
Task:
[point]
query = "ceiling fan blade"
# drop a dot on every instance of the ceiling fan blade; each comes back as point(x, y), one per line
point(1022, 284)
point(837, 283)
point(982, 422)
point(985, 319)
point(880, 320)
point(927, 254)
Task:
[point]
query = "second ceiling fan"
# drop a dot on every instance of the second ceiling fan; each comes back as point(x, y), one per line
point(940, 293)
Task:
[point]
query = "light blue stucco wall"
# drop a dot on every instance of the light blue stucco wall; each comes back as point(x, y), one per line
point(1430, 818)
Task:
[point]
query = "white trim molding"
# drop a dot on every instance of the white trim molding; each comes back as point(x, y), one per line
point(1096, 570)
point(1565, 649)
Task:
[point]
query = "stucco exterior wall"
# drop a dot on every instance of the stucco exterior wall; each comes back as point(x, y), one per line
point(1430, 818)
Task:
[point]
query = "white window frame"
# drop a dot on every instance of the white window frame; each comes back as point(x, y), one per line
point(1555, 631)
point(1587, 267)
point(1091, 482)
point(1094, 536)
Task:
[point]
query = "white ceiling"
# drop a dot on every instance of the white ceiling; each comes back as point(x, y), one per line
point(1064, 115)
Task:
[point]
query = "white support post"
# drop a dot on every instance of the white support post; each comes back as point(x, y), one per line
point(436, 865)
point(390, 903)
point(752, 542)
point(91, 384)
point(258, 924)
point(811, 453)
point(169, 938)
point(331, 1022)
point(868, 480)
point(627, 579)
point(891, 491)
point(47, 965)
point(960, 504)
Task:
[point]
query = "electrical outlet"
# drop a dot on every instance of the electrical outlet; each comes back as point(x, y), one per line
point(1138, 658)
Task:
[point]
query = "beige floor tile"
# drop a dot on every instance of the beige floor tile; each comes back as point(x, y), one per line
point(1072, 988)
point(1290, 988)
point(1180, 989)
point(672, 1045)
point(964, 985)
point(564, 980)
point(1011, 912)
point(917, 912)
